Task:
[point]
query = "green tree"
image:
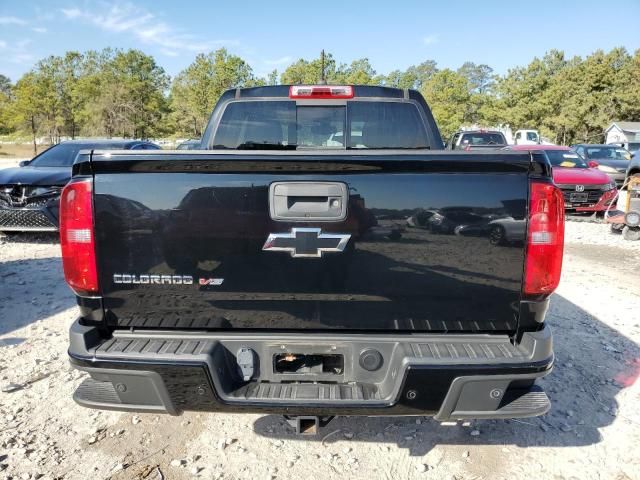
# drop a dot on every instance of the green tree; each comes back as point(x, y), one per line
point(359, 72)
point(27, 110)
point(114, 92)
point(272, 78)
point(309, 72)
point(196, 89)
point(479, 77)
point(520, 91)
point(6, 97)
point(5, 85)
point(413, 77)
point(61, 103)
point(447, 92)
point(627, 86)
point(130, 94)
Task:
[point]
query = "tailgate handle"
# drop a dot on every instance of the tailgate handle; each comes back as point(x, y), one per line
point(308, 201)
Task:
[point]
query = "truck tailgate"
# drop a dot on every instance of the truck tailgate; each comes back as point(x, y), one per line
point(185, 240)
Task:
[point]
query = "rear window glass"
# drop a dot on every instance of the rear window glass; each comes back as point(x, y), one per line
point(320, 126)
point(611, 153)
point(283, 125)
point(482, 138)
point(386, 125)
point(565, 158)
point(246, 125)
point(64, 154)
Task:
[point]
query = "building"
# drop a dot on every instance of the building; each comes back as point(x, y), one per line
point(626, 134)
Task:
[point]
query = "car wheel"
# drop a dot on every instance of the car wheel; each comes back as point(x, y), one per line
point(631, 233)
point(496, 235)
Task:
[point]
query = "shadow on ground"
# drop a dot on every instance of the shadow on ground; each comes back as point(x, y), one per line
point(593, 364)
point(31, 290)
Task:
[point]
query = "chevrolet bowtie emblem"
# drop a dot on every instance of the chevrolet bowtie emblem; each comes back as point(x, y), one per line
point(306, 242)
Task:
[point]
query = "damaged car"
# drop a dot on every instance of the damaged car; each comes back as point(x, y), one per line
point(30, 193)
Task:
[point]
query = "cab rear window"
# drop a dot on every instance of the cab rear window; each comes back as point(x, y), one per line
point(482, 138)
point(283, 125)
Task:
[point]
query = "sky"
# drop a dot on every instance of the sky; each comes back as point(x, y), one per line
point(272, 34)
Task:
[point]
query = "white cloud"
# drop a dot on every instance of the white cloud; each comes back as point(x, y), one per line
point(168, 53)
point(431, 39)
point(278, 61)
point(39, 29)
point(21, 57)
point(145, 26)
point(16, 51)
point(12, 21)
point(71, 12)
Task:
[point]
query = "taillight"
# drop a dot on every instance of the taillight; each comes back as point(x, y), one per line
point(545, 240)
point(320, 91)
point(77, 239)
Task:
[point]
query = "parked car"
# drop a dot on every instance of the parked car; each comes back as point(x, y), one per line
point(260, 288)
point(634, 165)
point(610, 159)
point(527, 137)
point(499, 231)
point(189, 145)
point(506, 230)
point(584, 188)
point(477, 140)
point(30, 193)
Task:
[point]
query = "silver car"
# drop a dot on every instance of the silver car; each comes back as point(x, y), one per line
point(610, 159)
point(634, 164)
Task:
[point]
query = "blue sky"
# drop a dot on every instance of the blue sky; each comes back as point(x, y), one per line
point(272, 34)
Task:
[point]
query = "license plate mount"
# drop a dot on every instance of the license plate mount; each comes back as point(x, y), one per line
point(579, 197)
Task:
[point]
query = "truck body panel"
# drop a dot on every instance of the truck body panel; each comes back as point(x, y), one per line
point(402, 268)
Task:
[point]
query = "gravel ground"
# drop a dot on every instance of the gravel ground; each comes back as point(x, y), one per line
point(592, 430)
point(10, 162)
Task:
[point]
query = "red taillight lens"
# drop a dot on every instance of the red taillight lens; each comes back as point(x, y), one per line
point(545, 240)
point(320, 91)
point(76, 238)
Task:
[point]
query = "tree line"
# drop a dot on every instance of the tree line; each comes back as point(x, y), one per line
point(126, 93)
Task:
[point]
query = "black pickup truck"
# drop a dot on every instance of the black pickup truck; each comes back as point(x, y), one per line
point(294, 265)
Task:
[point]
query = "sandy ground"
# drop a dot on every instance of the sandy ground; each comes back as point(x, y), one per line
point(592, 430)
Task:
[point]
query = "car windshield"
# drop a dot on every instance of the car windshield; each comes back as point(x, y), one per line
point(565, 158)
point(482, 138)
point(283, 125)
point(610, 153)
point(64, 154)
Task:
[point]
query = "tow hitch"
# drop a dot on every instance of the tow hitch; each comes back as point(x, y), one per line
point(307, 425)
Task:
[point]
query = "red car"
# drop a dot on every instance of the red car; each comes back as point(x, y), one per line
point(584, 189)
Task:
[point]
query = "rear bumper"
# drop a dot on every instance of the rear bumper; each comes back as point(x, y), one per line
point(447, 376)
